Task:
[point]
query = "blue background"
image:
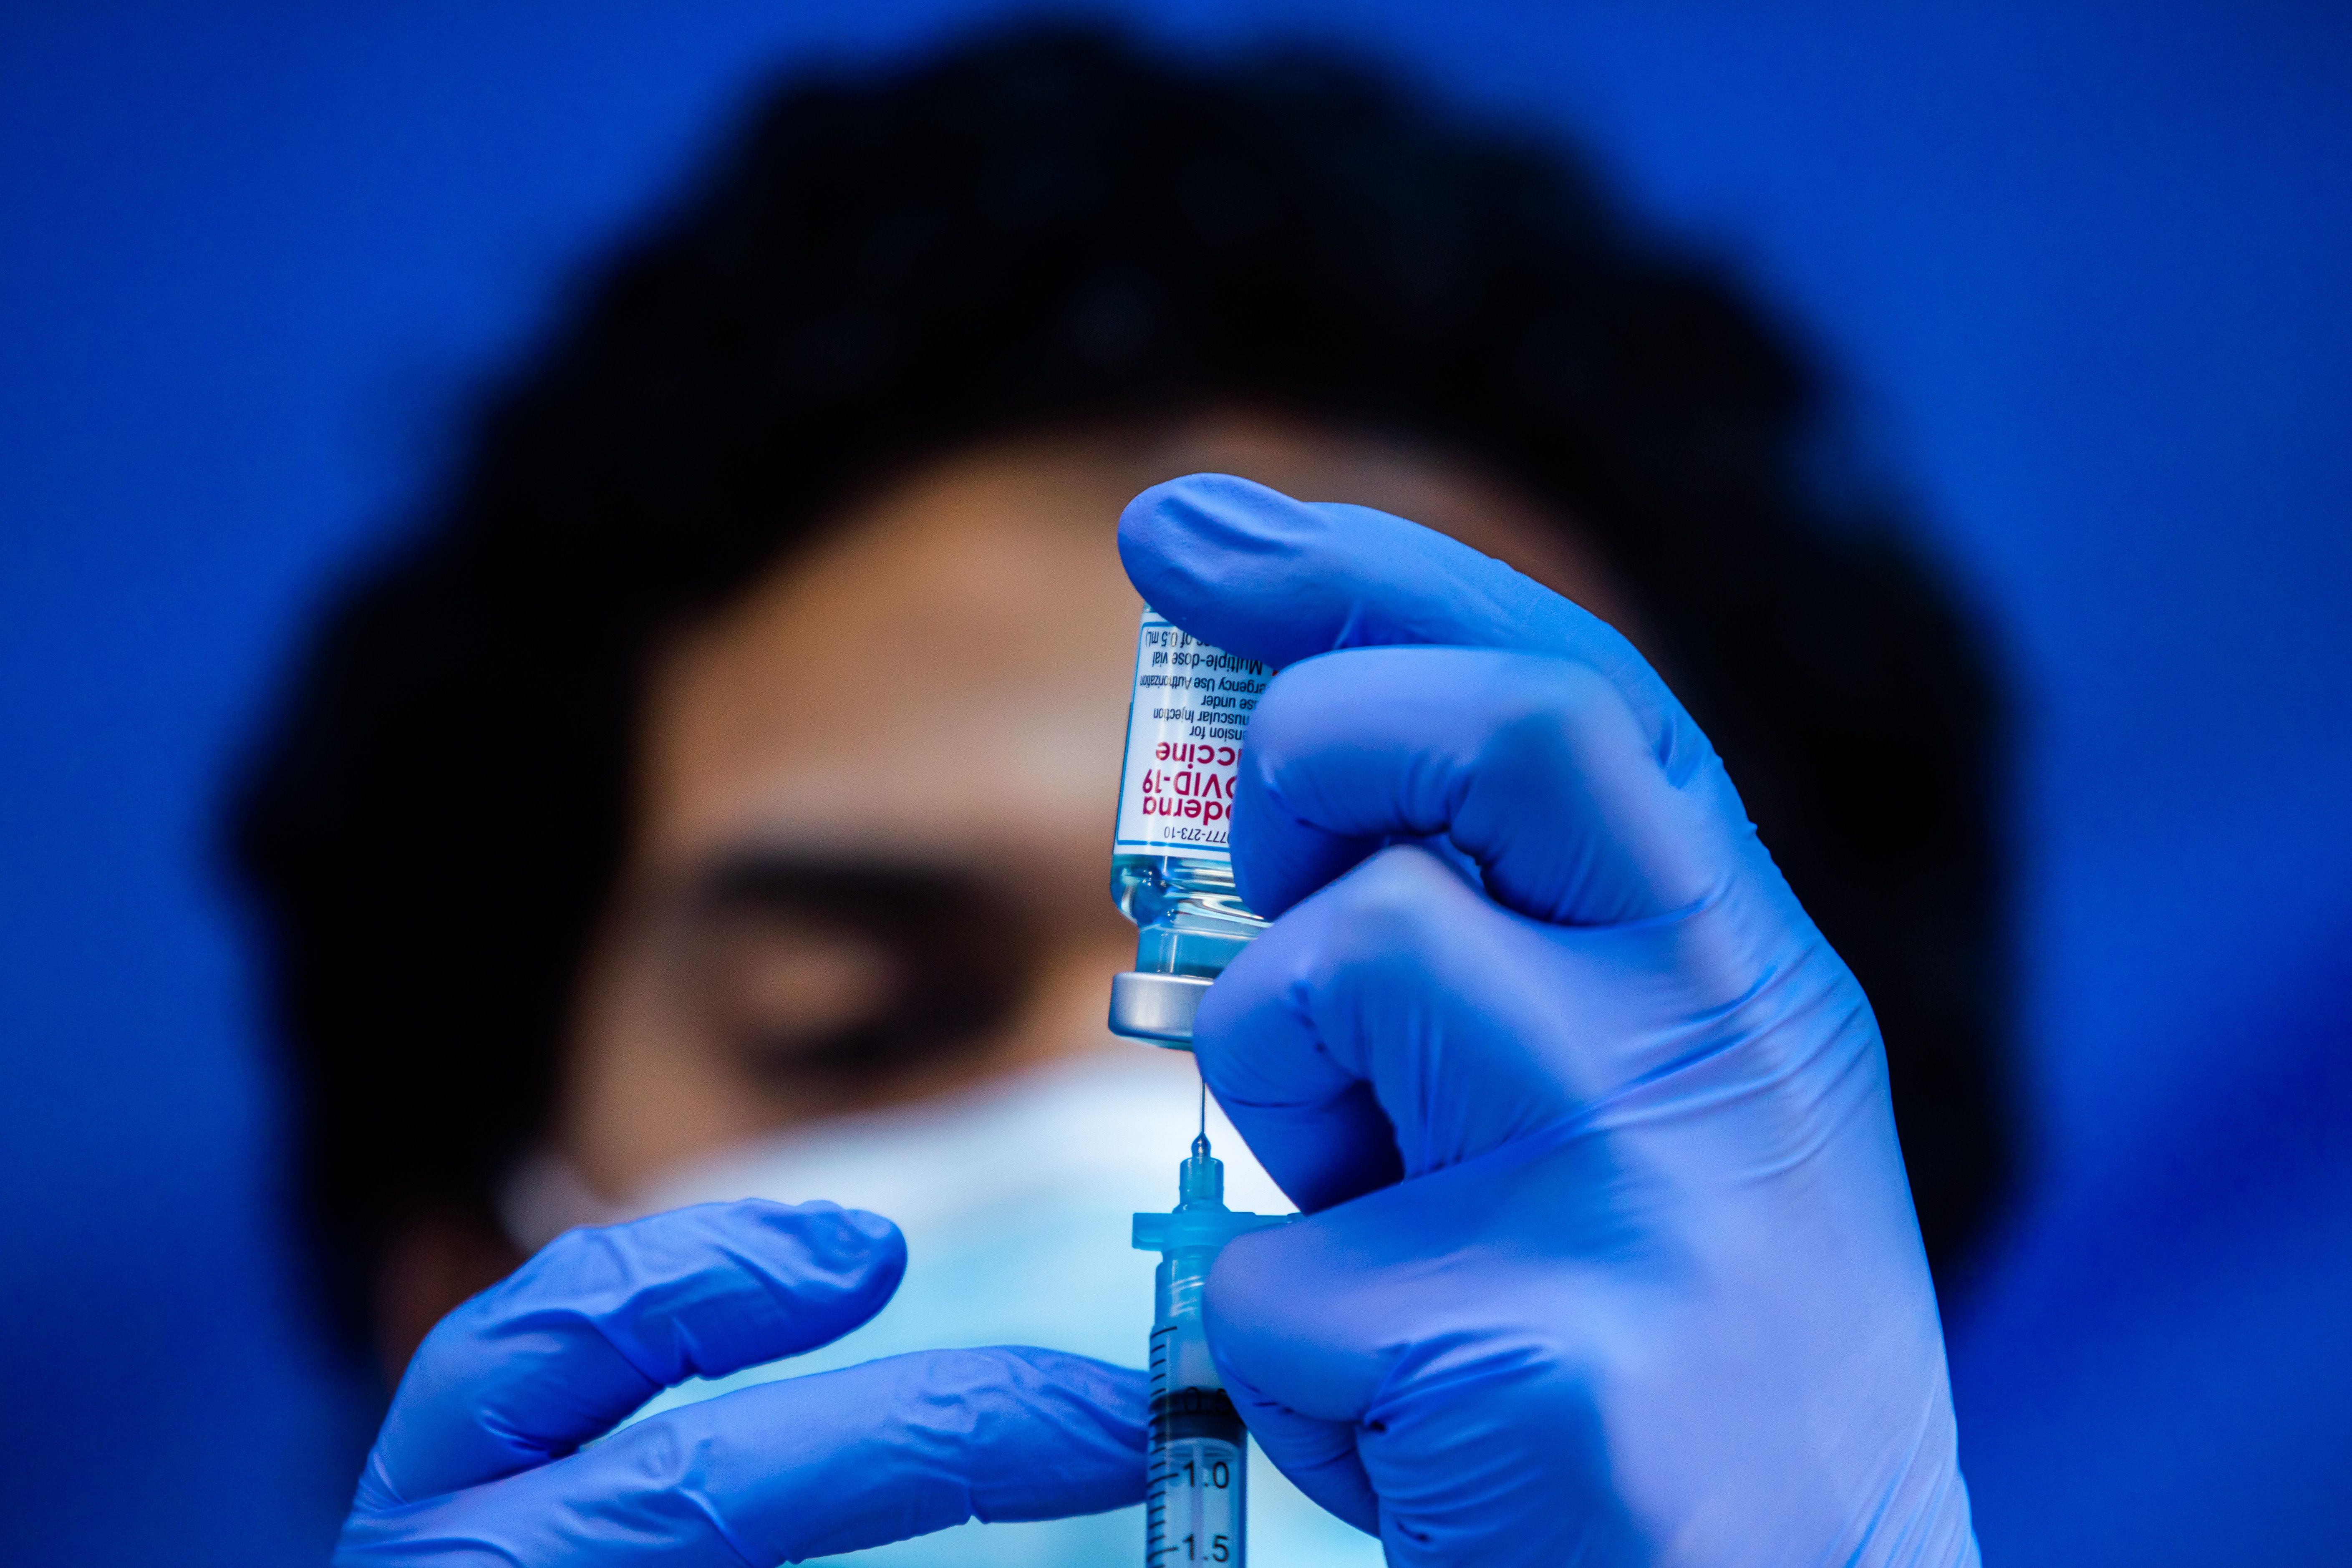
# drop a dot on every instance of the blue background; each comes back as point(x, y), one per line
point(2089, 273)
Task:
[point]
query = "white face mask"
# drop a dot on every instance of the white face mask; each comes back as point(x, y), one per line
point(1015, 1202)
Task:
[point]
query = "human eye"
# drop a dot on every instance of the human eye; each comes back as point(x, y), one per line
point(843, 977)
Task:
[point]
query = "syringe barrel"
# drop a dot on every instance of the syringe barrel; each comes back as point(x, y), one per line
point(1195, 1501)
point(1197, 1484)
point(1177, 1337)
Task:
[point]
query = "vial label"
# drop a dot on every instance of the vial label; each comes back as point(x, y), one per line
point(1184, 725)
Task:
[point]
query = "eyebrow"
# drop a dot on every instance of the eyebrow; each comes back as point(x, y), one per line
point(966, 952)
point(867, 891)
point(950, 924)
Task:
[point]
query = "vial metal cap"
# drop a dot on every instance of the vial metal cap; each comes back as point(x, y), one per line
point(1156, 1007)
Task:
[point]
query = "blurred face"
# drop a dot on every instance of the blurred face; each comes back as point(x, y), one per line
point(875, 794)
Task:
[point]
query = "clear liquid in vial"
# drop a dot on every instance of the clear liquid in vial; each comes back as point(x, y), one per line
point(1170, 871)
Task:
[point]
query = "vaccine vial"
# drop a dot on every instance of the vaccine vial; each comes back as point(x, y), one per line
point(1170, 871)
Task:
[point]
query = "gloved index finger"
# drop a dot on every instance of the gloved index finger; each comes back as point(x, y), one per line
point(801, 1468)
point(1248, 569)
point(601, 1320)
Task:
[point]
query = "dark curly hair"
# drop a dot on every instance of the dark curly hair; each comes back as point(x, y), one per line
point(1036, 229)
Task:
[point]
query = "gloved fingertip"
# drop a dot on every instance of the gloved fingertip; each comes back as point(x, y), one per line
point(840, 1461)
point(1277, 858)
point(1219, 555)
point(1165, 525)
point(1341, 1488)
point(854, 1251)
point(849, 1234)
point(1319, 1456)
point(1319, 1130)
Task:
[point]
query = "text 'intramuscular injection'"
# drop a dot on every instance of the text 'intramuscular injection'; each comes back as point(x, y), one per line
point(1170, 871)
point(1196, 1502)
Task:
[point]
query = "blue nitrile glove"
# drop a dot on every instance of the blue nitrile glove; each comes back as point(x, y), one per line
point(1611, 1257)
point(479, 1461)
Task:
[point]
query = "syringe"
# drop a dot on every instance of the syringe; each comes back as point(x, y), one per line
point(1195, 1501)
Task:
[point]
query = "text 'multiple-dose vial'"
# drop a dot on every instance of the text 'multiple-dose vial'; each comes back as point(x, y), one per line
point(1171, 872)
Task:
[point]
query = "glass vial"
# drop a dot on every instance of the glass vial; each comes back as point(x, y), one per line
point(1169, 870)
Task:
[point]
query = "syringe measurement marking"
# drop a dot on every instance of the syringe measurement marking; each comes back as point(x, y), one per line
point(1193, 1489)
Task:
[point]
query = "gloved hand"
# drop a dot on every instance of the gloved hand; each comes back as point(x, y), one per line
point(480, 1462)
point(1611, 1257)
